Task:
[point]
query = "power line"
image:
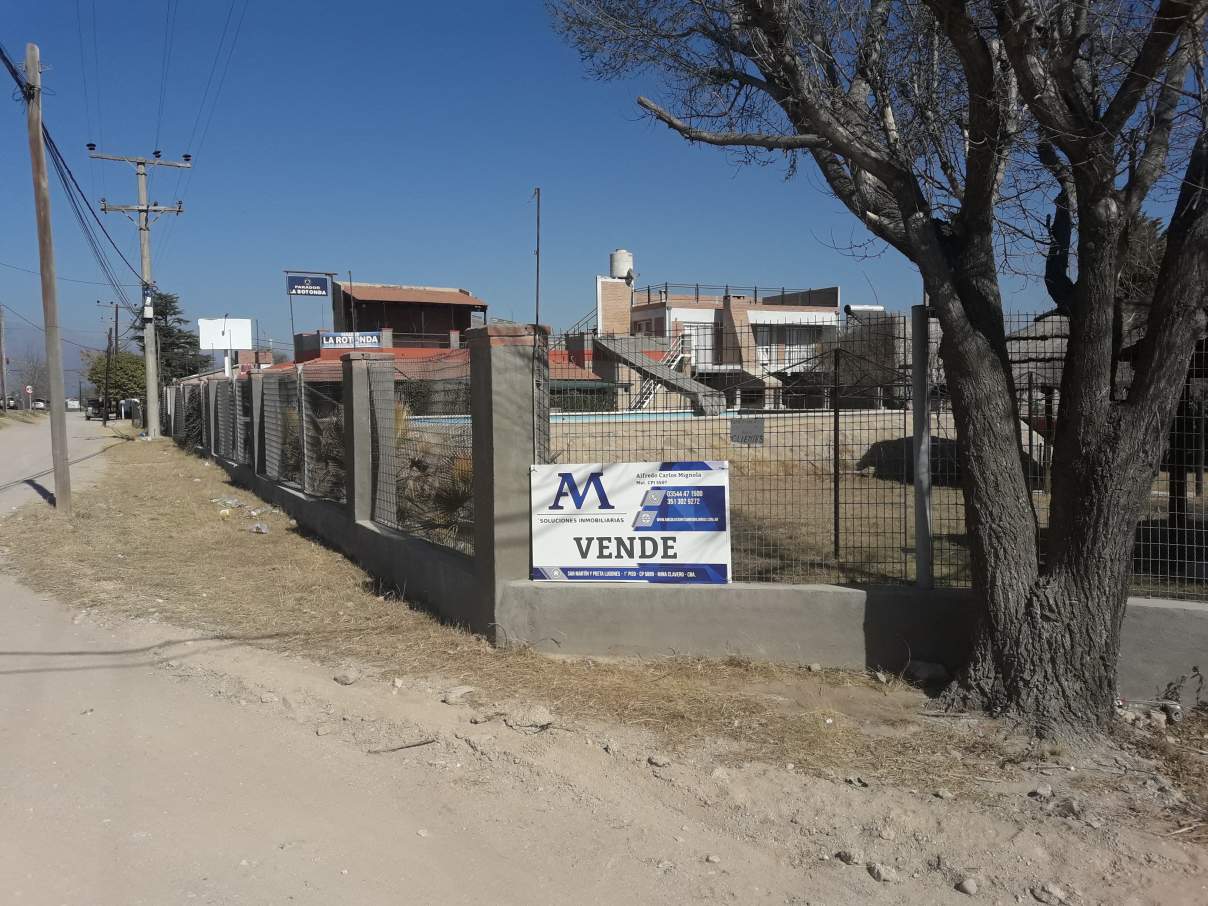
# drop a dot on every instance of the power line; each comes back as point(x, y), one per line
point(26, 270)
point(169, 36)
point(178, 192)
point(87, 99)
point(40, 327)
point(76, 198)
point(100, 115)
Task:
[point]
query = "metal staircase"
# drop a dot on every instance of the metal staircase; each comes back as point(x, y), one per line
point(650, 384)
point(632, 351)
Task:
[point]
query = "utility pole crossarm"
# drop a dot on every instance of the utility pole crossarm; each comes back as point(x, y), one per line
point(144, 209)
point(107, 208)
point(145, 161)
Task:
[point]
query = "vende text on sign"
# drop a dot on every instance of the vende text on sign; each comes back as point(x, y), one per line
point(631, 522)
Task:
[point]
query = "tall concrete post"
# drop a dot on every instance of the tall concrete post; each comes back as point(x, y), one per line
point(255, 387)
point(920, 375)
point(363, 423)
point(508, 368)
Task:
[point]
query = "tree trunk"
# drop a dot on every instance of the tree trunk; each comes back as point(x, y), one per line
point(1046, 649)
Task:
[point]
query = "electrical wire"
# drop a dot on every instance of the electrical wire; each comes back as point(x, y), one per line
point(76, 197)
point(205, 94)
point(87, 99)
point(100, 115)
point(179, 192)
point(165, 63)
point(36, 273)
point(40, 327)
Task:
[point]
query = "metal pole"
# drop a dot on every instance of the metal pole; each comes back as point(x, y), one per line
point(921, 410)
point(835, 453)
point(537, 292)
point(50, 302)
point(1199, 449)
point(3, 369)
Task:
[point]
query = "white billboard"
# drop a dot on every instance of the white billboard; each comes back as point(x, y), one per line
point(664, 522)
point(221, 334)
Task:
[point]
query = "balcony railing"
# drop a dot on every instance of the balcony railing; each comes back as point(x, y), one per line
point(422, 340)
point(714, 293)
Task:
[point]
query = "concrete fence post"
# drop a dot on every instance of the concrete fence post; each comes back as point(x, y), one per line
point(920, 374)
point(508, 368)
point(255, 386)
point(362, 427)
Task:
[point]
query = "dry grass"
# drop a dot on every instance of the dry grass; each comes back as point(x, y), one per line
point(19, 416)
point(148, 540)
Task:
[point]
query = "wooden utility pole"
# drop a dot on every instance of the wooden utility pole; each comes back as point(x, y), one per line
point(50, 302)
point(144, 210)
point(110, 342)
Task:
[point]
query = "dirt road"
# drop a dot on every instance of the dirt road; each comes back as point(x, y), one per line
point(140, 767)
point(25, 457)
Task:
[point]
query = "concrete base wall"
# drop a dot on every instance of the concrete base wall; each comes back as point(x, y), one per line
point(424, 573)
point(880, 627)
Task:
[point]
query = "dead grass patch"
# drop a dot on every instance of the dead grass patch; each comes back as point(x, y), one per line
point(147, 541)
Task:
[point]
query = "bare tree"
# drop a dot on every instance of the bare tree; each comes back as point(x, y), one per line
point(948, 127)
point(30, 370)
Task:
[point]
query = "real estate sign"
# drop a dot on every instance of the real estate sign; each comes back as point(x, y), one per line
point(631, 522)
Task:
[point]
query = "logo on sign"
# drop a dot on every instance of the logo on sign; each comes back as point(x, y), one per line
point(306, 286)
point(567, 487)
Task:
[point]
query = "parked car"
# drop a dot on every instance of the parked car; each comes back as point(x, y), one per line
point(73, 404)
point(39, 404)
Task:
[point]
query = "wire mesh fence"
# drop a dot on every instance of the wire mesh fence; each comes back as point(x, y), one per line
point(1170, 552)
point(423, 449)
point(813, 420)
point(282, 434)
point(322, 400)
point(243, 423)
point(194, 420)
point(224, 421)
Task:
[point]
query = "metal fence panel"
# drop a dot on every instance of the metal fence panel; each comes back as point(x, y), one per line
point(428, 459)
point(322, 400)
point(282, 437)
point(813, 420)
point(194, 427)
point(243, 421)
point(224, 422)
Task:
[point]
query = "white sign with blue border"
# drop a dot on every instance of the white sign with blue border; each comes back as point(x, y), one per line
point(666, 522)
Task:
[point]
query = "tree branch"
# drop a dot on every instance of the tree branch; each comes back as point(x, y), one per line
point(1176, 316)
point(1171, 18)
point(731, 139)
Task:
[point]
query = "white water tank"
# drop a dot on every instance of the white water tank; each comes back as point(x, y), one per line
point(620, 264)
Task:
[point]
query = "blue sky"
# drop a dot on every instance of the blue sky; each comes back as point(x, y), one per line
point(401, 141)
